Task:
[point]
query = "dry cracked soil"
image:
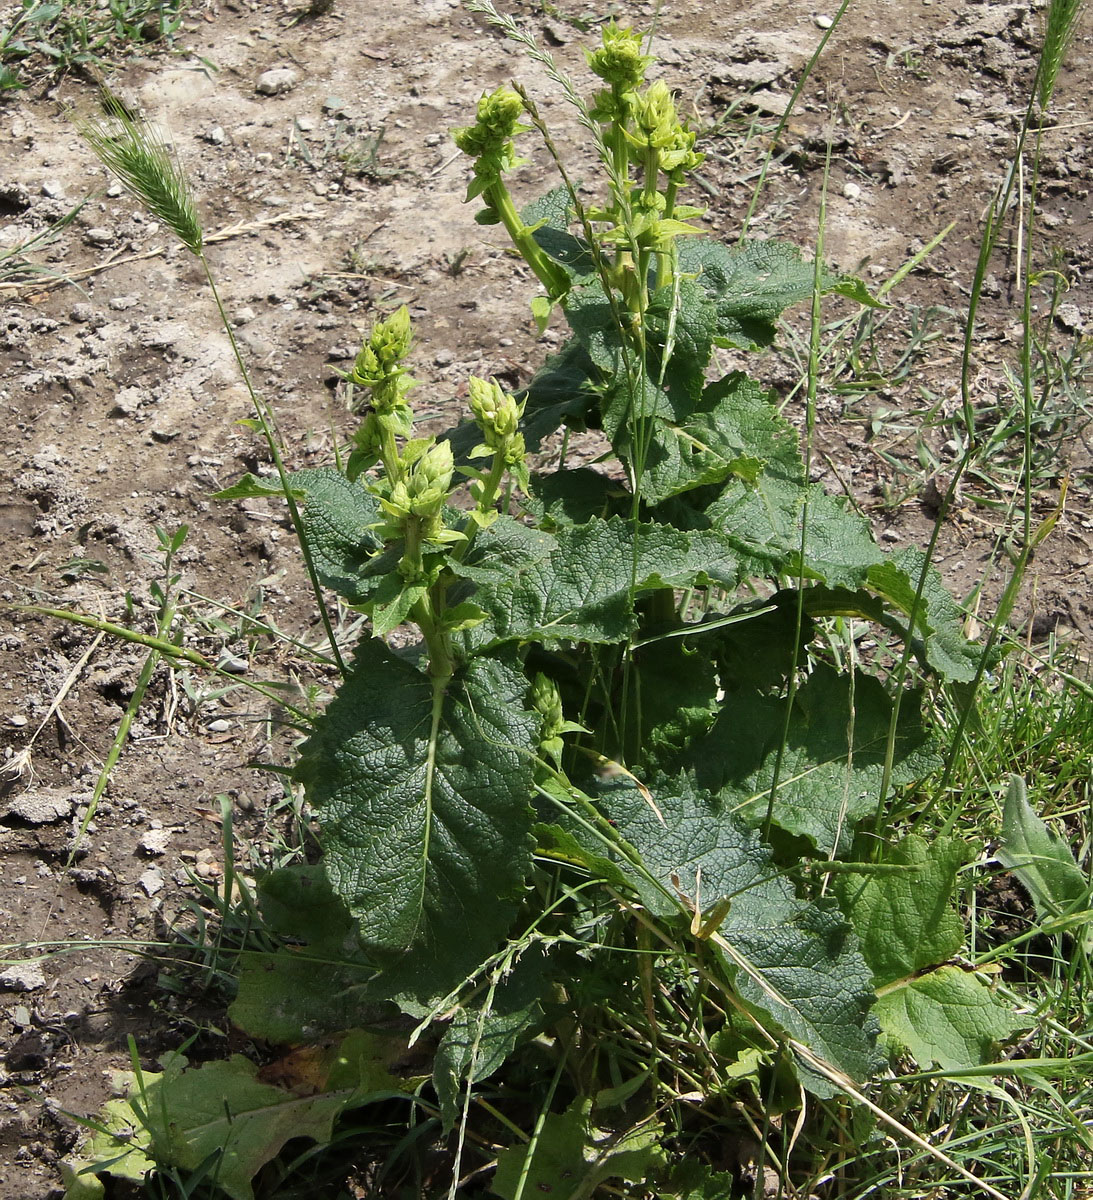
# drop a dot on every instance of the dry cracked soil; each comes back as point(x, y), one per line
point(318, 146)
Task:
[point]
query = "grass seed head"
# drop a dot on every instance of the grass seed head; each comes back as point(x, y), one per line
point(136, 153)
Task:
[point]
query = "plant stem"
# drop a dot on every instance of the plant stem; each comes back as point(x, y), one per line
point(549, 273)
point(269, 433)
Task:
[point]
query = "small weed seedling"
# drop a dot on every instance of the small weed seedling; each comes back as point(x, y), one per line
point(603, 799)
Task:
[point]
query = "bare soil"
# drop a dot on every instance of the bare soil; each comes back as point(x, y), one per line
point(339, 198)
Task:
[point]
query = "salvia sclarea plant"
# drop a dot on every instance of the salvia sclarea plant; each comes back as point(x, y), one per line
point(602, 739)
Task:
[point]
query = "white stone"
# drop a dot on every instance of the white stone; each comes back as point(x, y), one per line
point(22, 977)
point(276, 81)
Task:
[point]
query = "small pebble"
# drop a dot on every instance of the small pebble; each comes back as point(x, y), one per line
point(154, 842)
point(276, 81)
point(233, 664)
point(18, 720)
point(851, 190)
point(151, 881)
point(444, 358)
point(99, 237)
point(41, 806)
point(215, 135)
point(244, 316)
point(823, 21)
point(52, 190)
point(22, 977)
point(218, 726)
point(1069, 316)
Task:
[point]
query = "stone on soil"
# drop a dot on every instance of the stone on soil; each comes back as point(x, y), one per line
point(276, 81)
point(40, 806)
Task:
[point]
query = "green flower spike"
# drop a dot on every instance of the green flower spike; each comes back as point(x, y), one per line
point(489, 141)
point(378, 367)
point(496, 412)
point(619, 61)
point(379, 361)
point(425, 488)
point(498, 416)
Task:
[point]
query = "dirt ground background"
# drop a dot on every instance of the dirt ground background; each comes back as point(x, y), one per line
point(341, 196)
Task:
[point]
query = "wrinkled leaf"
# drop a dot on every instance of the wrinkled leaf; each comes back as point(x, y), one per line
point(425, 812)
point(750, 285)
point(905, 921)
point(582, 588)
point(946, 1017)
point(828, 780)
point(299, 992)
point(938, 619)
point(798, 963)
point(732, 432)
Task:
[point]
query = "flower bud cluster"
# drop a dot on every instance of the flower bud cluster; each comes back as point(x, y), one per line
point(489, 141)
point(620, 63)
point(657, 127)
point(497, 122)
point(547, 701)
point(424, 487)
point(378, 365)
point(498, 416)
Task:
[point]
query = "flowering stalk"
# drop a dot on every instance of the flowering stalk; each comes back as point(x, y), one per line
point(378, 367)
point(489, 141)
point(498, 417)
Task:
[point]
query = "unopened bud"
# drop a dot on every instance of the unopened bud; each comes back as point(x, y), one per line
point(497, 122)
point(495, 411)
point(619, 61)
point(430, 480)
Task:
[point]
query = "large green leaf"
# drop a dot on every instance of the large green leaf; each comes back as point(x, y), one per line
point(905, 919)
point(582, 589)
point(672, 699)
point(680, 327)
point(576, 495)
point(552, 214)
point(732, 432)
point(749, 285)
point(828, 779)
point(946, 1017)
point(764, 519)
point(798, 963)
point(225, 1114)
point(423, 799)
point(938, 619)
point(561, 392)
